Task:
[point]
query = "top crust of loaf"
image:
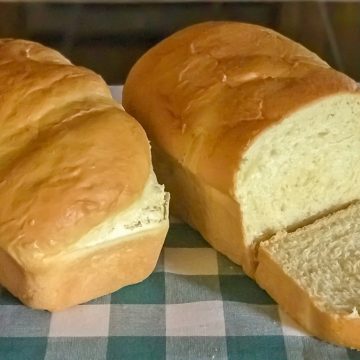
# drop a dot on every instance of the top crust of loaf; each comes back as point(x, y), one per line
point(206, 92)
point(70, 157)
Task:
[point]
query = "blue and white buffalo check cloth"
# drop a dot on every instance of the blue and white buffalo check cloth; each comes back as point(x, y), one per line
point(196, 305)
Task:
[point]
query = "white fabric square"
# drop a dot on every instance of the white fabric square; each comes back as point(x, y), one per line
point(204, 318)
point(81, 321)
point(116, 92)
point(191, 261)
point(290, 327)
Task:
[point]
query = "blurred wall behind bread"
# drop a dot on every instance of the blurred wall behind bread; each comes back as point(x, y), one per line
point(109, 36)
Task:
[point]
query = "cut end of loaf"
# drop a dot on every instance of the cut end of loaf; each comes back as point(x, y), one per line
point(324, 258)
point(313, 273)
point(147, 213)
point(308, 163)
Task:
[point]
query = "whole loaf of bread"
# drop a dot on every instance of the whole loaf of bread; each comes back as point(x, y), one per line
point(81, 211)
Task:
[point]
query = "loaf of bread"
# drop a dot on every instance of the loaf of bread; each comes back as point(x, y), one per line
point(313, 274)
point(251, 132)
point(82, 213)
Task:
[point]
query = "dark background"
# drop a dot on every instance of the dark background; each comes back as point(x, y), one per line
point(109, 37)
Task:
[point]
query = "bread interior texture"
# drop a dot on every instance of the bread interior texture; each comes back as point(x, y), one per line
point(323, 258)
point(147, 213)
point(309, 163)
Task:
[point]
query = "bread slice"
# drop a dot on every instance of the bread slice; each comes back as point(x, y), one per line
point(82, 213)
point(314, 274)
point(251, 132)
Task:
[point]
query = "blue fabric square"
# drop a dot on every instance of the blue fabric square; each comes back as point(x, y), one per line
point(353, 354)
point(149, 291)
point(183, 236)
point(22, 348)
point(256, 348)
point(242, 288)
point(7, 299)
point(136, 348)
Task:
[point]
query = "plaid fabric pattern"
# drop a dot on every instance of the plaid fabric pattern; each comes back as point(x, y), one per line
point(195, 305)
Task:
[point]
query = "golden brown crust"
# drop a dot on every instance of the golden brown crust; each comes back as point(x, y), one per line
point(70, 158)
point(206, 92)
point(66, 280)
point(37, 85)
point(81, 173)
point(70, 155)
point(25, 50)
point(296, 301)
point(204, 208)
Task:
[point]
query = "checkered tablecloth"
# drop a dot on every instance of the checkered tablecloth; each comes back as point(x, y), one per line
point(196, 305)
